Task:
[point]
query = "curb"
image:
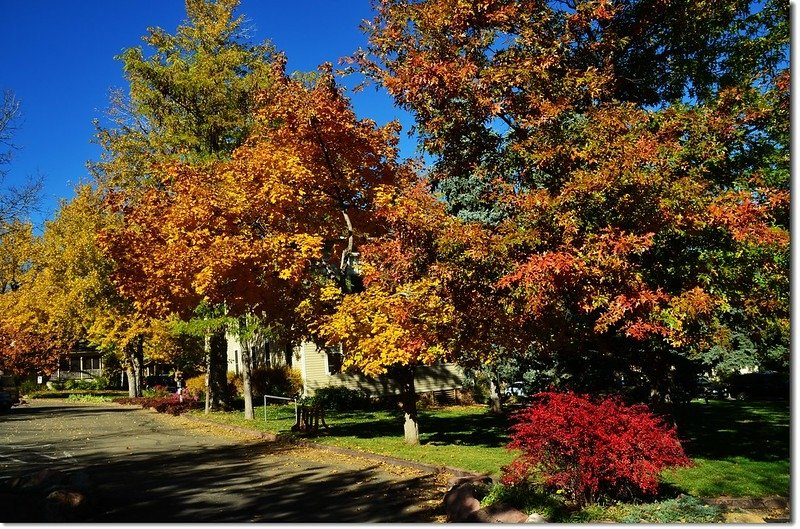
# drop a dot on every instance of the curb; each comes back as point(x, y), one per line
point(272, 437)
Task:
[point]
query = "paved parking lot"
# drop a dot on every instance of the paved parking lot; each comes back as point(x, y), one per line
point(146, 467)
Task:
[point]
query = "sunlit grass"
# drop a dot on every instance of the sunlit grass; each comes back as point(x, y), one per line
point(739, 449)
point(463, 437)
point(739, 477)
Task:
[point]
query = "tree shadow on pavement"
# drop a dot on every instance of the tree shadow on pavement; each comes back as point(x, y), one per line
point(245, 482)
point(281, 488)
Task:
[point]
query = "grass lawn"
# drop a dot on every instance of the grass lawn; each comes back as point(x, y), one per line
point(739, 448)
point(464, 437)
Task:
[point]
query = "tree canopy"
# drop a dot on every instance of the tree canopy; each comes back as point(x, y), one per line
point(624, 159)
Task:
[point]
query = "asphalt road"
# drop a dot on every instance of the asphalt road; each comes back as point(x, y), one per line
point(145, 467)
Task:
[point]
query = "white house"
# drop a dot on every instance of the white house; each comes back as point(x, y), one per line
point(323, 367)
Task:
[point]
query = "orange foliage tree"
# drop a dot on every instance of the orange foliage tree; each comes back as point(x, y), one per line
point(269, 231)
point(627, 163)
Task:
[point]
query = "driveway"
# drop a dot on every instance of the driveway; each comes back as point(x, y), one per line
point(146, 467)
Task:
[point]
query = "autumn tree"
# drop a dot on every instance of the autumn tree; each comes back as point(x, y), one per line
point(62, 293)
point(267, 232)
point(17, 251)
point(191, 100)
point(25, 348)
point(624, 159)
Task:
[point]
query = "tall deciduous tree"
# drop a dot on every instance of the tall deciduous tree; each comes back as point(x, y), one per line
point(265, 233)
point(623, 158)
point(191, 100)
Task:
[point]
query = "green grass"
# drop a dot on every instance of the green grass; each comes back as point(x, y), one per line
point(739, 448)
point(89, 398)
point(461, 436)
point(739, 477)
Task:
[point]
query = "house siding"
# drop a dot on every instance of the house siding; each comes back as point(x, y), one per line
point(233, 354)
point(312, 362)
point(428, 378)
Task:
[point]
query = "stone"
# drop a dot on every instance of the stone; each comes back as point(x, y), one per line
point(65, 506)
point(67, 498)
point(498, 513)
point(536, 518)
point(460, 501)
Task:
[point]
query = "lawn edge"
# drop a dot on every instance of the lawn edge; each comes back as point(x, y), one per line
point(290, 439)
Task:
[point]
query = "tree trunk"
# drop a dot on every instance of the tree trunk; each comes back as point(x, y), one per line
point(216, 370)
point(131, 374)
point(246, 388)
point(207, 362)
point(133, 368)
point(495, 405)
point(408, 402)
point(138, 363)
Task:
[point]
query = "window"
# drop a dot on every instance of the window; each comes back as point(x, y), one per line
point(335, 358)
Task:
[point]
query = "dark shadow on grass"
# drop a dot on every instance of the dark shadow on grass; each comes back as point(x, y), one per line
point(486, 430)
point(475, 429)
point(723, 429)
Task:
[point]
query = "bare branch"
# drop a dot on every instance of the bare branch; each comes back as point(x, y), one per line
point(15, 201)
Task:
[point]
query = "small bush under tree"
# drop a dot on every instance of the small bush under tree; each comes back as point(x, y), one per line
point(196, 387)
point(86, 384)
point(283, 381)
point(341, 398)
point(591, 449)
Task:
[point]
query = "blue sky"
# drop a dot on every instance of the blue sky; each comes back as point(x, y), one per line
point(58, 59)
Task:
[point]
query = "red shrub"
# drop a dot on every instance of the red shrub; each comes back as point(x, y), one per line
point(169, 404)
point(590, 449)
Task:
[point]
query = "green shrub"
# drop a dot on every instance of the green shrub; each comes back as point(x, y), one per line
point(81, 397)
point(101, 382)
point(684, 509)
point(66, 394)
point(157, 391)
point(87, 383)
point(341, 398)
point(528, 498)
point(27, 387)
point(282, 381)
point(78, 384)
